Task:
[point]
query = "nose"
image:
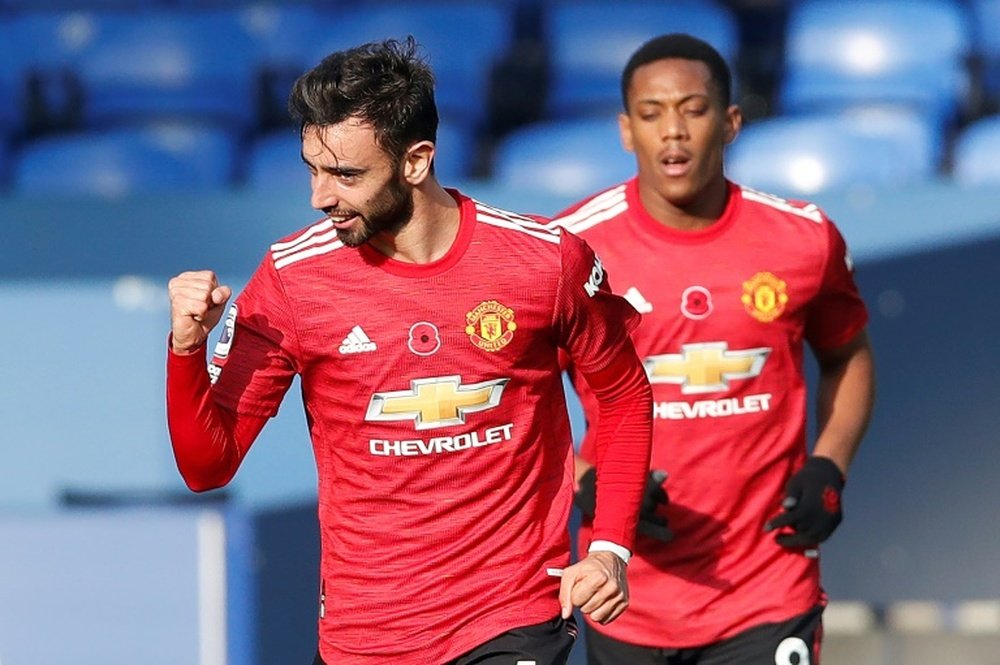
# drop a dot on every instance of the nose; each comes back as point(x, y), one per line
point(324, 194)
point(673, 126)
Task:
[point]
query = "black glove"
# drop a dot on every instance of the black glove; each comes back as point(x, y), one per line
point(811, 505)
point(650, 523)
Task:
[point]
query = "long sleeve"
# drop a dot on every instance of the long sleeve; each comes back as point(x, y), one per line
point(623, 443)
point(209, 441)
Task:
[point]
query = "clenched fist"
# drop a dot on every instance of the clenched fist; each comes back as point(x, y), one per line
point(197, 302)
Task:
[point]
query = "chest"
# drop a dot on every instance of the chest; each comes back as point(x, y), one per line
point(749, 292)
point(393, 331)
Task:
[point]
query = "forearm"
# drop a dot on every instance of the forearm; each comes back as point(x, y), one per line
point(209, 441)
point(845, 397)
point(623, 442)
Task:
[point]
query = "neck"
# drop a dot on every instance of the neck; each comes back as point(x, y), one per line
point(705, 210)
point(431, 230)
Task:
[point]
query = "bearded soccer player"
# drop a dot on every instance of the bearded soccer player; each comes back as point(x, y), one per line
point(426, 328)
point(731, 283)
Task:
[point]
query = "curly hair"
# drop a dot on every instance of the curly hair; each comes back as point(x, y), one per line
point(386, 85)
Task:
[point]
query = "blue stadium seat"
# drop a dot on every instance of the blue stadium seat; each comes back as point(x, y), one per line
point(975, 160)
point(44, 81)
point(845, 52)
point(275, 162)
point(462, 42)
point(569, 158)
point(163, 64)
point(3, 163)
point(284, 38)
point(802, 155)
point(455, 157)
point(11, 83)
point(76, 5)
point(591, 40)
point(120, 162)
point(986, 26)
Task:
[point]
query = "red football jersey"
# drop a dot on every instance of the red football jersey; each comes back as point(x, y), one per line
point(438, 421)
point(725, 311)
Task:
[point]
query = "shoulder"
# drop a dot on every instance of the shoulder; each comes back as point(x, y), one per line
point(318, 239)
point(512, 227)
point(594, 211)
point(792, 211)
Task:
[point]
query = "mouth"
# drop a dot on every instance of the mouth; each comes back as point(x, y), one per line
point(675, 163)
point(342, 220)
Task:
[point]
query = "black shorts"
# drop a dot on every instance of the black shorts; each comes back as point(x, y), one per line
point(792, 642)
point(547, 643)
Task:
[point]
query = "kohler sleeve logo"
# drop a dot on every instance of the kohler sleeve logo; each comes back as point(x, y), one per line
point(596, 278)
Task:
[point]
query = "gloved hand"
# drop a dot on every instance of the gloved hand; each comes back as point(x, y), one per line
point(812, 504)
point(650, 523)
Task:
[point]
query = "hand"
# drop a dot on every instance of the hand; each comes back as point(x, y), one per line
point(651, 523)
point(812, 504)
point(596, 585)
point(197, 302)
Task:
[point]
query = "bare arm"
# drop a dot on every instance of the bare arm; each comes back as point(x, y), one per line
point(844, 400)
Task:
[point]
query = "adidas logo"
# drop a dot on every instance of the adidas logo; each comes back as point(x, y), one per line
point(357, 342)
point(637, 300)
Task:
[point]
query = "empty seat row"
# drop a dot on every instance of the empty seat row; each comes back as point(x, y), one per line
point(173, 156)
point(237, 63)
point(116, 67)
point(793, 157)
point(796, 156)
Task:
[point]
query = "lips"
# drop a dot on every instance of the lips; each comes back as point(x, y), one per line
point(675, 162)
point(341, 221)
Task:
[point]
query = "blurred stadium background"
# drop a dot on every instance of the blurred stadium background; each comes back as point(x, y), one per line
point(139, 138)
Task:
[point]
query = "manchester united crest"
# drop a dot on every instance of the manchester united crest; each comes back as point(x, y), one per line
point(764, 296)
point(490, 326)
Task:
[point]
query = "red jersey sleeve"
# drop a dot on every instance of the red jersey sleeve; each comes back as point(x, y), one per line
point(592, 321)
point(595, 326)
point(255, 359)
point(215, 414)
point(837, 313)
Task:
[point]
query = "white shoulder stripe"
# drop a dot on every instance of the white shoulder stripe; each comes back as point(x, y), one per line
point(809, 211)
point(319, 227)
point(306, 253)
point(600, 203)
point(512, 216)
point(599, 217)
point(318, 239)
point(543, 233)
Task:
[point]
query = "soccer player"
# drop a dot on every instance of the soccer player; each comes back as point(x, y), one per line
point(730, 283)
point(426, 328)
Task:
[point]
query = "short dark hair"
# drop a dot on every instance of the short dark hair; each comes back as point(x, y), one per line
point(685, 47)
point(384, 84)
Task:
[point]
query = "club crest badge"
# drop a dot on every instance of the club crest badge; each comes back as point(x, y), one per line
point(490, 326)
point(764, 297)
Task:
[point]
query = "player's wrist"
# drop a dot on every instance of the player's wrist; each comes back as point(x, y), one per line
point(184, 349)
point(622, 553)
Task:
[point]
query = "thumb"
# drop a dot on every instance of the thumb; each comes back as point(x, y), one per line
point(221, 294)
point(565, 593)
point(785, 518)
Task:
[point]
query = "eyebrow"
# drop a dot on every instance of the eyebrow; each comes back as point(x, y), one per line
point(334, 170)
point(686, 98)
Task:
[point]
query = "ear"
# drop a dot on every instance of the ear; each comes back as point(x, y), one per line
point(734, 123)
point(625, 130)
point(417, 162)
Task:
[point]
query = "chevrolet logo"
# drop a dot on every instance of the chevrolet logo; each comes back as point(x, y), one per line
point(705, 368)
point(435, 402)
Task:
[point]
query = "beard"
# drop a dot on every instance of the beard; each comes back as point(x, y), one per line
point(387, 213)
